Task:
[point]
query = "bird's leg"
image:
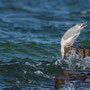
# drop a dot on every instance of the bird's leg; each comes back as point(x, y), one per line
point(67, 49)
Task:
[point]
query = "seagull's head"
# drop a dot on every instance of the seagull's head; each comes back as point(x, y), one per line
point(81, 26)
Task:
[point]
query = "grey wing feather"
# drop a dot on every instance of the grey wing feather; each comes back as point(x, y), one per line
point(71, 32)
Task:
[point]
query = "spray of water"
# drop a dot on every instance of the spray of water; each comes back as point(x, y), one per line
point(74, 61)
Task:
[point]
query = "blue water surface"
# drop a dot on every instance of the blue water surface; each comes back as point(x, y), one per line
point(30, 34)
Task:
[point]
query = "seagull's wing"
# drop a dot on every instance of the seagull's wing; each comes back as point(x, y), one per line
point(74, 30)
point(71, 33)
point(71, 39)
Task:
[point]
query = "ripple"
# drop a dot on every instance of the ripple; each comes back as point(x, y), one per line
point(30, 33)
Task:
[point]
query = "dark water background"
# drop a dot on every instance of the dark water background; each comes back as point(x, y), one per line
point(30, 33)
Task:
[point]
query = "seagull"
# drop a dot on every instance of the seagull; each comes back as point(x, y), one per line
point(70, 36)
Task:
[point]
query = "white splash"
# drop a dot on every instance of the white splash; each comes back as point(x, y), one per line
point(38, 72)
point(69, 87)
point(29, 64)
point(74, 62)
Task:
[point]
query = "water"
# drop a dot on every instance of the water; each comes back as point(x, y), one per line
point(30, 33)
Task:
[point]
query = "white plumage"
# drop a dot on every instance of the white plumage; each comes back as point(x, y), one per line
point(70, 36)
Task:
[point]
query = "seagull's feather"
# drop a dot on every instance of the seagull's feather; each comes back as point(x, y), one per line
point(70, 33)
point(71, 39)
